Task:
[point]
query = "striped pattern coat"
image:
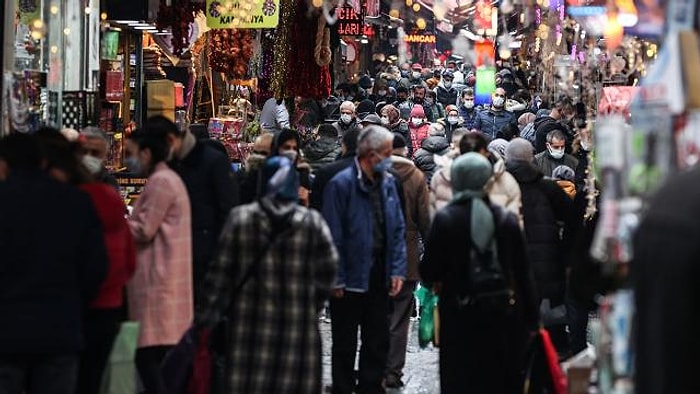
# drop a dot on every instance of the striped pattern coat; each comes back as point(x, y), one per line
point(276, 346)
point(160, 293)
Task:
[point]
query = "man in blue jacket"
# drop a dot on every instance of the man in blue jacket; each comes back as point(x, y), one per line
point(491, 120)
point(363, 210)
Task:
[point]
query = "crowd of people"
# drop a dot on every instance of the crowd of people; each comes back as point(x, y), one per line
point(426, 188)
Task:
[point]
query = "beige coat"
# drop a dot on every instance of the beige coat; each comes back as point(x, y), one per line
point(160, 293)
point(503, 189)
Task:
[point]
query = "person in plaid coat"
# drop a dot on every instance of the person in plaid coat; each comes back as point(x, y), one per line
point(275, 342)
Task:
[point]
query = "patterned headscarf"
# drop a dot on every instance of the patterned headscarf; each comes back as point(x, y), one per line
point(392, 113)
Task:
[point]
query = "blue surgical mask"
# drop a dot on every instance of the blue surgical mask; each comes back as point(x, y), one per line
point(383, 166)
point(133, 165)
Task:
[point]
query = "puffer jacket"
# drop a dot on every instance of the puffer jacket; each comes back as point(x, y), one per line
point(401, 128)
point(424, 157)
point(502, 188)
point(545, 205)
point(418, 134)
point(490, 122)
point(321, 152)
point(416, 210)
point(446, 96)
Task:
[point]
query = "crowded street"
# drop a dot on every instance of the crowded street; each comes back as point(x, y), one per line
point(349, 196)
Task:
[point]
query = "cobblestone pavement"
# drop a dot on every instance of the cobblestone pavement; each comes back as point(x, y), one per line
point(421, 374)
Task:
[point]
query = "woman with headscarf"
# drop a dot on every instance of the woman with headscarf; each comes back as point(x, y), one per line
point(280, 259)
point(288, 142)
point(391, 119)
point(480, 348)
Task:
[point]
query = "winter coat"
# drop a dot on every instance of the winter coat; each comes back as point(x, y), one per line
point(249, 178)
point(160, 293)
point(503, 190)
point(53, 263)
point(446, 96)
point(321, 152)
point(212, 190)
point(342, 127)
point(480, 349)
point(418, 134)
point(544, 205)
point(468, 116)
point(416, 211)
point(546, 163)
point(490, 122)
point(425, 156)
point(118, 241)
point(347, 207)
point(275, 342)
point(664, 276)
point(323, 176)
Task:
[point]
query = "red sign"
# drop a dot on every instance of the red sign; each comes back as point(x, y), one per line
point(350, 22)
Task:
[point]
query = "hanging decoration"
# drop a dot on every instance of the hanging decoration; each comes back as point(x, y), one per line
point(266, 64)
point(322, 51)
point(305, 77)
point(282, 48)
point(179, 16)
point(230, 52)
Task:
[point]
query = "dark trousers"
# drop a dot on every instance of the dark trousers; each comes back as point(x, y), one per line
point(101, 327)
point(368, 311)
point(578, 324)
point(399, 322)
point(148, 361)
point(41, 374)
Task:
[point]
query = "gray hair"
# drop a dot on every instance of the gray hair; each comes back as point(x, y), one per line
point(95, 132)
point(347, 105)
point(458, 133)
point(555, 135)
point(372, 138)
point(436, 129)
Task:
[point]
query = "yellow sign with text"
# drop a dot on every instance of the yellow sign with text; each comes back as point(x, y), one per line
point(243, 14)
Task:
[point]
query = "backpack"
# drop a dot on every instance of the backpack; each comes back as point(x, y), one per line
point(490, 286)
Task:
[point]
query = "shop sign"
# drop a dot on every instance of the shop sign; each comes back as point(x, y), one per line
point(350, 22)
point(225, 14)
point(420, 38)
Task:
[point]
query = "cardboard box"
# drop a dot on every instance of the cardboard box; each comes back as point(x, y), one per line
point(160, 94)
point(167, 112)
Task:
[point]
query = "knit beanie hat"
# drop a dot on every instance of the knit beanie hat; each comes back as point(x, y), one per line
point(519, 149)
point(364, 108)
point(564, 173)
point(417, 111)
point(399, 141)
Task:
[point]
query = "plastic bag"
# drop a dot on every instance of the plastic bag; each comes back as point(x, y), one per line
point(427, 328)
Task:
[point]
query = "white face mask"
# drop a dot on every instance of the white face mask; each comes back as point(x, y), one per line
point(498, 102)
point(448, 84)
point(468, 104)
point(382, 93)
point(417, 121)
point(555, 153)
point(385, 120)
point(93, 164)
point(453, 119)
point(416, 74)
point(346, 118)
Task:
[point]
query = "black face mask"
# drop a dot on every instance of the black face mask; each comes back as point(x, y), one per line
point(401, 99)
point(418, 100)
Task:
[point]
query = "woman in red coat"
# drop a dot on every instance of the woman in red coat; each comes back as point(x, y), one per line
point(104, 314)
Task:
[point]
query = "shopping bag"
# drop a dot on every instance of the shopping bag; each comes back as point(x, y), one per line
point(120, 373)
point(200, 381)
point(543, 373)
point(426, 329)
point(176, 368)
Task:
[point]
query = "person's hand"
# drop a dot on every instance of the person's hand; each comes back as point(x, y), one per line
point(396, 285)
point(338, 293)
